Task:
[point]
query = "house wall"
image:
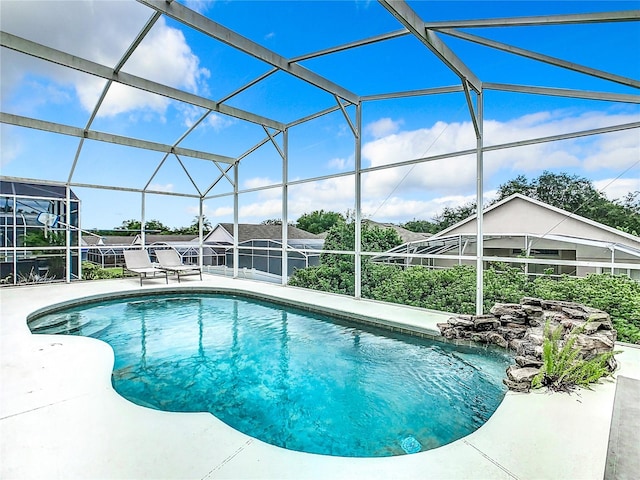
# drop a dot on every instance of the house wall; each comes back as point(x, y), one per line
point(219, 235)
point(519, 215)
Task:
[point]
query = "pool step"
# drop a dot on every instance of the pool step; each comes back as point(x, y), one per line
point(66, 326)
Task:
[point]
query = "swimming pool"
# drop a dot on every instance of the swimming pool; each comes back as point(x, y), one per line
point(288, 377)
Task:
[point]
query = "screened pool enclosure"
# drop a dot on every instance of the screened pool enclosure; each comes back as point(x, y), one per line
point(415, 94)
point(38, 233)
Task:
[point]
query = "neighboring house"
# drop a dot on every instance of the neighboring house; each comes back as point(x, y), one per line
point(260, 247)
point(107, 250)
point(223, 233)
point(519, 226)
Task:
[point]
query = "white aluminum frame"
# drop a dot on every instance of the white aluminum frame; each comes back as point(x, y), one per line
point(277, 132)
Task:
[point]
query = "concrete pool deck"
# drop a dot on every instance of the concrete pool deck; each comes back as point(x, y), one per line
point(60, 417)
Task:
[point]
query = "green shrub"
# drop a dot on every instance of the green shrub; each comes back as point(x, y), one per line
point(91, 271)
point(454, 289)
point(562, 368)
point(619, 296)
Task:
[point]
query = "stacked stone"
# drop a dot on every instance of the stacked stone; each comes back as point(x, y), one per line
point(520, 328)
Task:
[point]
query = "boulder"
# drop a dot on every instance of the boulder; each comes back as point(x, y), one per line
point(515, 344)
point(523, 387)
point(480, 337)
point(594, 344)
point(532, 311)
point(461, 322)
point(512, 319)
point(570, 323)
point(512, 330)
point(520, 328)
point(521, 374)
point(500, 309)
point(531, 301)
point(591, 327)
point(497, 339)
point(535, 335)
point(598, 316)
point(575, 313)
point(484, 323)
point(528, 361)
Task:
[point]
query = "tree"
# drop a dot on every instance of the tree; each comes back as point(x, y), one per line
point(452, 215)
point(421, 226)
point(194, 228)
point(157, 226)
point(134, 226)
point(336, 272)
point(272, 221)
point(577, 195)
point(569, 192)
point(319, 221)
point(130, 225)
point(342, 236)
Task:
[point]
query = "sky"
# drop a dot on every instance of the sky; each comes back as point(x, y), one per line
point(392, 130)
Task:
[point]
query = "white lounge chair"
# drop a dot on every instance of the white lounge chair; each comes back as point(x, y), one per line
point(170, 260)
point(137, 261)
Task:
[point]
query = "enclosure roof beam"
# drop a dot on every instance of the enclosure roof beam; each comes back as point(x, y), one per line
point(413, 93)
point(347, 46)
point(562, 92)
point(313, 116)
point(20, 121)
point(598, 17)
point(99, 187)
point(225, 35)
point(543, 58)
point(43, 52)
point(410, 19)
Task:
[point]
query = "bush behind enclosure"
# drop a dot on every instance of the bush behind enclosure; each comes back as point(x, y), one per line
point(453, 290)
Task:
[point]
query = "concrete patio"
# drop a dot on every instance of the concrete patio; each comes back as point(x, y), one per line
point(60, 417)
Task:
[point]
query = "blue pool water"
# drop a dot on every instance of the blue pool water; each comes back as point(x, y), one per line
point(291, 378)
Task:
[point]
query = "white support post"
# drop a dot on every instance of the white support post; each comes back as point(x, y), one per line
point(143, 230)
point(201, 233)
point(285, 208)
point(358, 200)
point(613, 259)
point(527, 252)
point(479, 215)
point(235, 221)
point(67, 222)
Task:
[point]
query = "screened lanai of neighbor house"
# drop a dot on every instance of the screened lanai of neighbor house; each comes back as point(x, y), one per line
point(240, 112)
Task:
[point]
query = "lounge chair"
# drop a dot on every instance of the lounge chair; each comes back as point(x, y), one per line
point(137, 261)
point(170, 260)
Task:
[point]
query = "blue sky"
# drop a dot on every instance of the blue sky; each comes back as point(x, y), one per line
point(393, 130)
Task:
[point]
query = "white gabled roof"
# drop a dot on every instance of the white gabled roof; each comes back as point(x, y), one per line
point(540, 204)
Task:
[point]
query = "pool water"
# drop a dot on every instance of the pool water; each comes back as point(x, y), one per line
point(291, 378)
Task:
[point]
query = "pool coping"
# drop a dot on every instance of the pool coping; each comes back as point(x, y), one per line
point(60, 418)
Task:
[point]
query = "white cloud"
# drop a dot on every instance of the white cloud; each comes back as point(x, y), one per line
point(423, 190)
point(258, 211)
point(450, 175)
point(199, 6)
point(218, 122)
point(618, 188)
point(383, 127)
point(10, 144)
point(168, 187)
point(258, 182)
point(400, 210)
point(340, 163)
point(101, 31)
